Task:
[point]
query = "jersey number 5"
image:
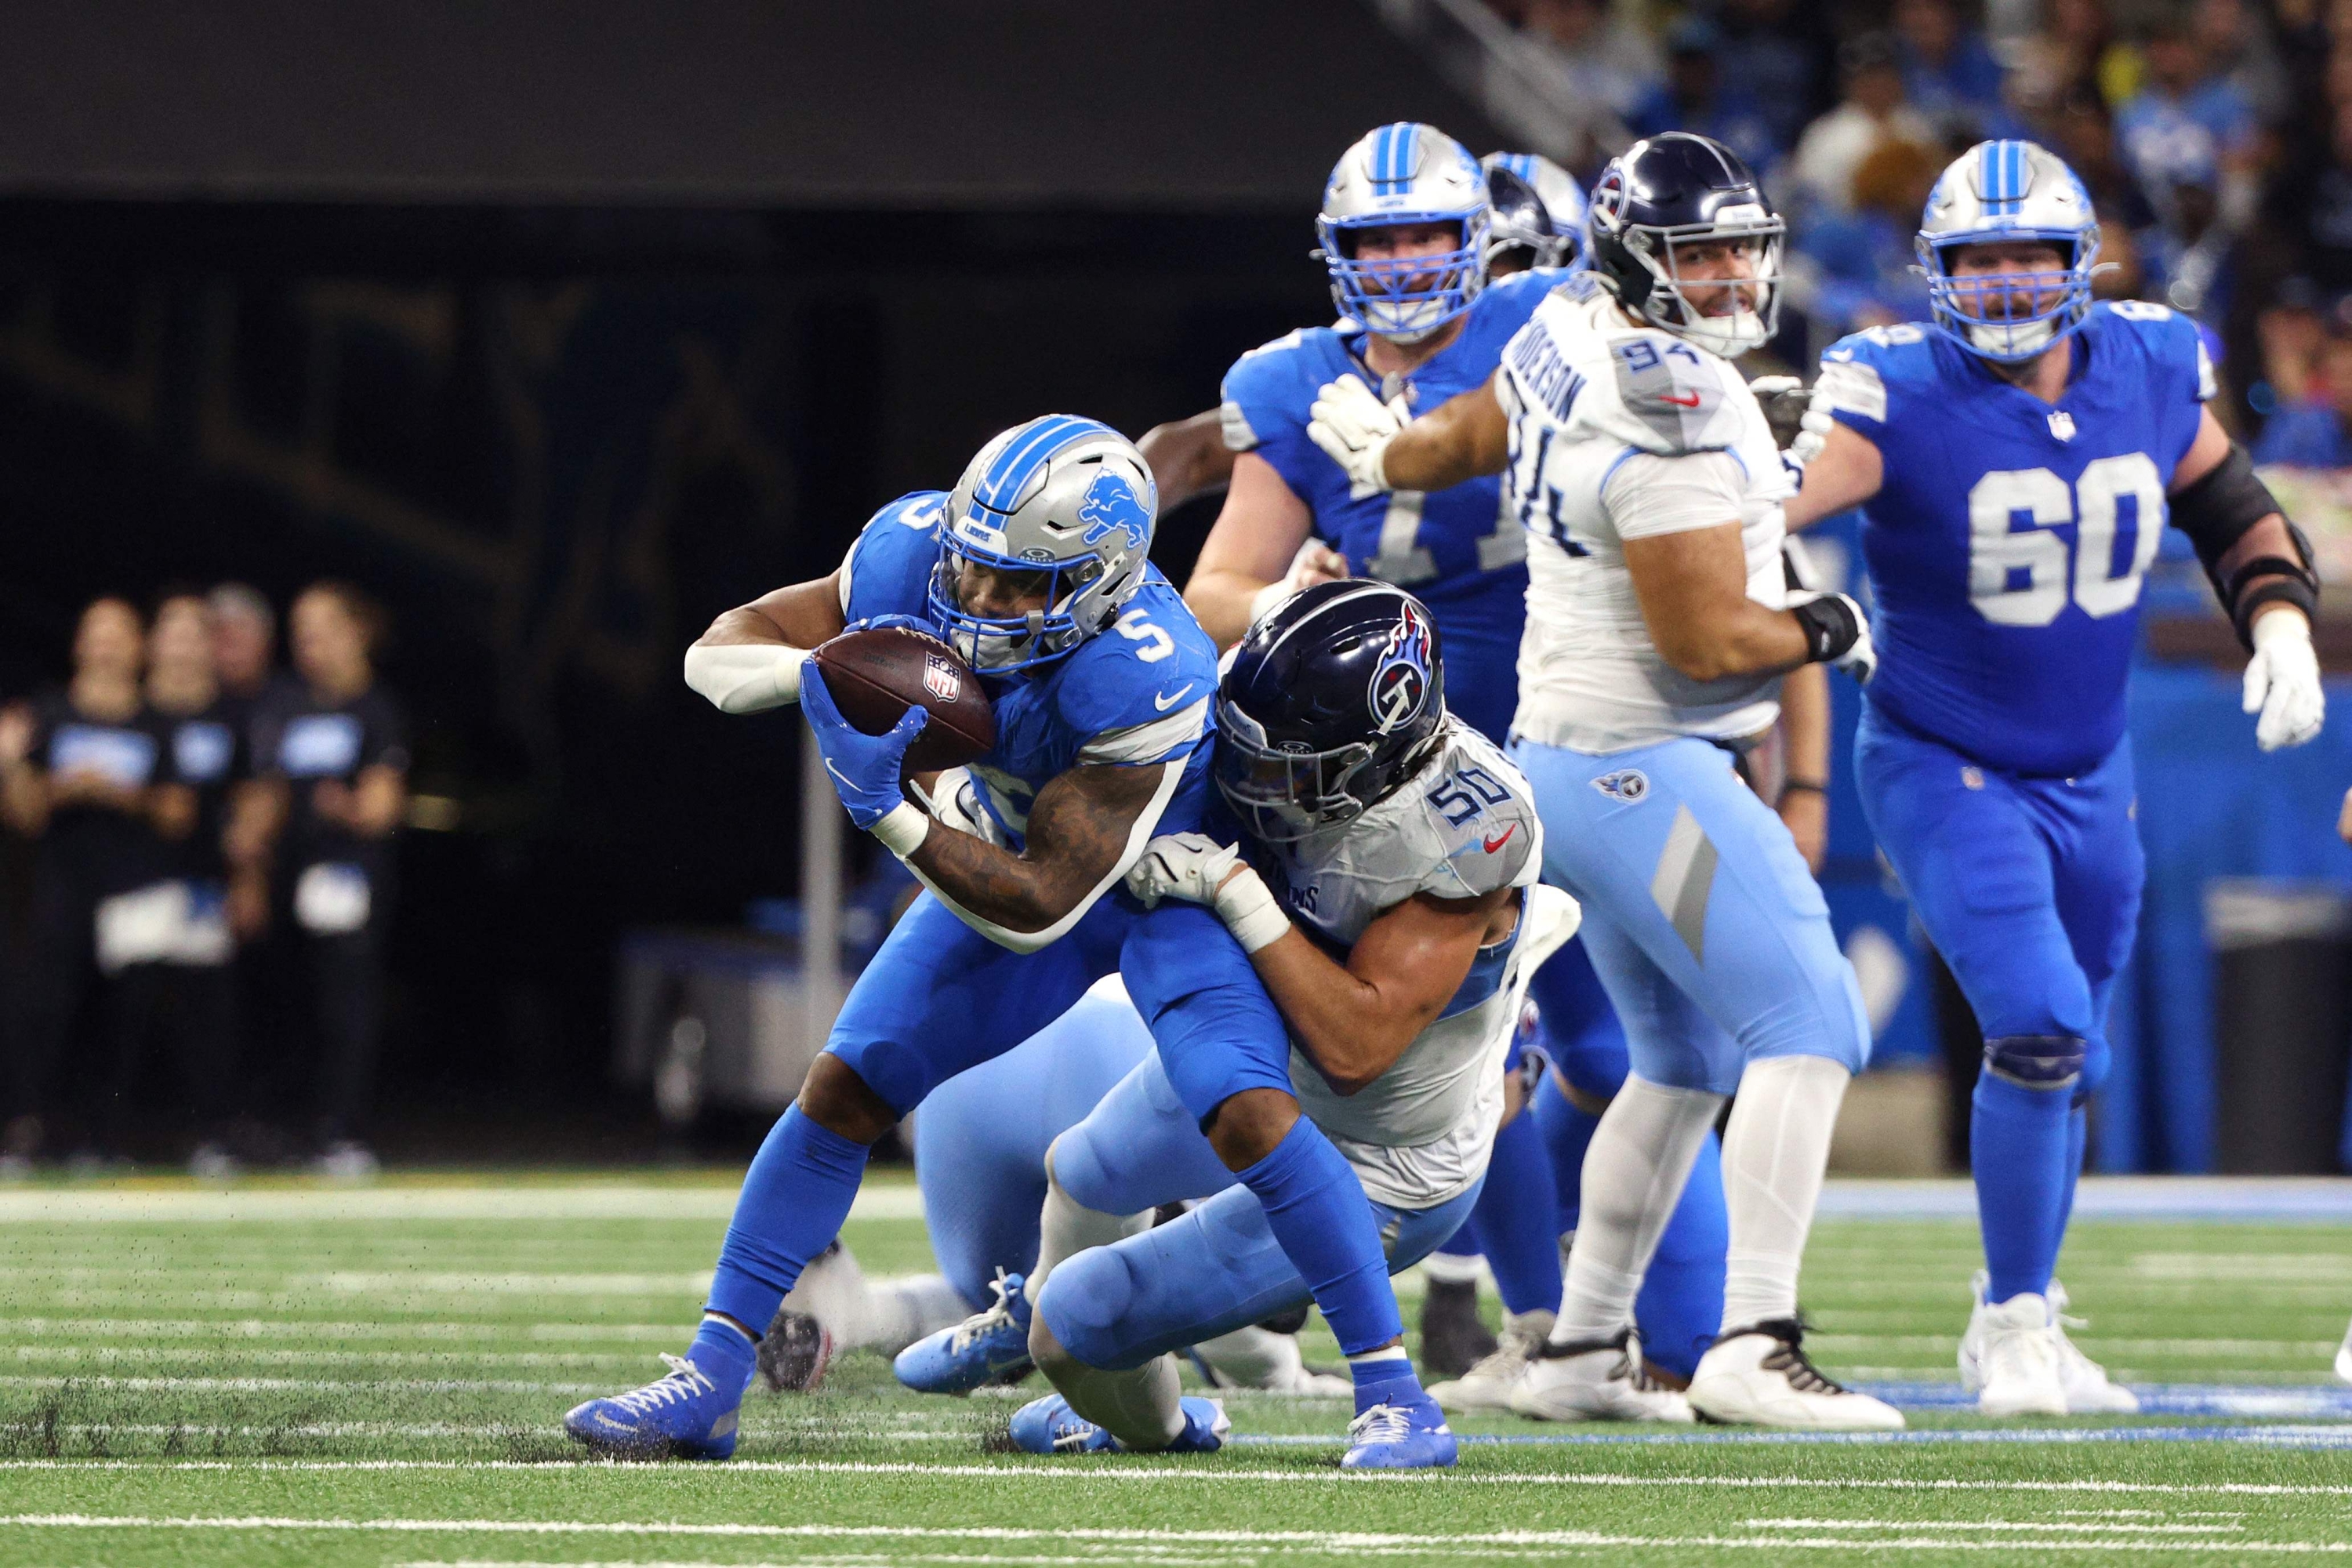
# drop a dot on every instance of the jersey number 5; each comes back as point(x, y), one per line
point(2023, 577)
point(1158, 645)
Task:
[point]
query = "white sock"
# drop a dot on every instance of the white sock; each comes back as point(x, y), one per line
point(1252, 1357)
point(1454, 1267)
point(1774, 1152)
point(1634, 1169)
point(1067, 1228)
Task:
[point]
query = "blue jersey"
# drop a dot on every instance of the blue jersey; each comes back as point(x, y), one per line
point(2009, 537)
point(1138, 692)
point(1461, 551)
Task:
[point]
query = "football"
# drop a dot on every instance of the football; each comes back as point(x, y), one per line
point(877, 673)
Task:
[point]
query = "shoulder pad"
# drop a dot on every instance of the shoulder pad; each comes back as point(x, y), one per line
point(1665, 396)
point(1480, 810)
point(1262, 390)
point(1857, 371)
point(2166, 336)
point(1141, 687)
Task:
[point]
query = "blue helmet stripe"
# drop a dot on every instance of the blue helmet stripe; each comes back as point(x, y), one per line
point(1019, 461)
point(1405, 145)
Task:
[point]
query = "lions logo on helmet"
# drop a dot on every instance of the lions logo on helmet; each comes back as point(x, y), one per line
point(1401, 681)
point(1067, 503)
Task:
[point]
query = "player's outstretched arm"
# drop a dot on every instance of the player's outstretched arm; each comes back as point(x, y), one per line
point(1261, 548)
point(1187, 457)
point(1354, 1022)
point(2260, 569)
point(749, 659)
point(1461, 438)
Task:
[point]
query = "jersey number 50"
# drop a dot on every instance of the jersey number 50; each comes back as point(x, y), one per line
point(2000, 554)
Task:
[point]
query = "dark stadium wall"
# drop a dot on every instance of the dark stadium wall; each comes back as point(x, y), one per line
point(554, 481)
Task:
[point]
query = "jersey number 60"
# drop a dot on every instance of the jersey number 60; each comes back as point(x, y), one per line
point(2000, 554)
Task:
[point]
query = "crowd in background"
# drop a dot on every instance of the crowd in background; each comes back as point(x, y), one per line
point(197, 884)
point(2215, 137)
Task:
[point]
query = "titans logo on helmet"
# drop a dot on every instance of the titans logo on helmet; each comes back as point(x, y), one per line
point(1400, 682)
point(1112, 503)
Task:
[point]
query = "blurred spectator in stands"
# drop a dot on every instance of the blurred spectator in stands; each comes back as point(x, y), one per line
point(1596, 59)
point(1866, 257)
point(2073, 59)
point(2233, 42)
point(1949, 71)
point(1781, 52)
point(1873, 111)
point(2288, 335)
point(2315, 431)
point(84, 772)
point(245, 643)
point(185, 996)
point(2190, 140)
point(335, 746)
point(2313, 200)
point(1695, 96)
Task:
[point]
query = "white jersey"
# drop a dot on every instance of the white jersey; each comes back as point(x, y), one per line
point(1465, 826)
point(1623, 432)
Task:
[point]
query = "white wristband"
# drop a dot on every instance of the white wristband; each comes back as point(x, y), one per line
point(1248, 907)
point(903, 829)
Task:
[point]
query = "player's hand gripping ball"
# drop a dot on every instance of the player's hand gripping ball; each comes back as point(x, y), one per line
point(887, 700)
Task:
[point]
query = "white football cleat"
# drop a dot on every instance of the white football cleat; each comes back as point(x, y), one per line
point(2344, 1357)
point(1760, 1376)
point(1594, 1380)
point(2089, 1392)
point(1488, 1385)
point(2018, 1370)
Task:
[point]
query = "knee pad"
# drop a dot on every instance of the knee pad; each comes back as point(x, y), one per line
point(1083, 1304)
point(2037, 1061)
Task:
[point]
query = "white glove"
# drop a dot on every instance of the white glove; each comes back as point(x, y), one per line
point(1355, 427)
point(1186, 865)
point(1198, 869)
point(2282, 683)
point(1315, 563)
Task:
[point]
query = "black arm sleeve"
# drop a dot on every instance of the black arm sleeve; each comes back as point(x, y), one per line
point(2216, 512)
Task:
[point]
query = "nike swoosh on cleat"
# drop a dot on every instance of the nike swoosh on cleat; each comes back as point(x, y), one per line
point(1165, 703)
point(1690, 402)
point(1491, 844)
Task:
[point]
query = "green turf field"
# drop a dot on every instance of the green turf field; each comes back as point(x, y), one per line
point(374, 1377)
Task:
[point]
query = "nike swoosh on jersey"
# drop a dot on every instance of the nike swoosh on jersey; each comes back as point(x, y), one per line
point(1689, 402)
point(1165, 703)
point(1491, 844)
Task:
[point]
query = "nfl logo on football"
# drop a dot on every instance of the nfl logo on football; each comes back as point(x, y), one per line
point(942, 678)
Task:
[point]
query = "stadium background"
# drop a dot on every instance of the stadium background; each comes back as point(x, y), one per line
point(561, 329)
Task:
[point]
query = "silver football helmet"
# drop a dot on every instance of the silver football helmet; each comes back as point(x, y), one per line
point(1405, 174)
point(1998, 190)
point(1558, 233)
point(1068, 499)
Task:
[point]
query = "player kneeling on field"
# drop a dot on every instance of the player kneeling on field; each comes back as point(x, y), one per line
point(1383, 888)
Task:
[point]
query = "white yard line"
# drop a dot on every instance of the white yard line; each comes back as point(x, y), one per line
point(614, 1201)
point(1211, 1474)
point(302, 1328)
point(1257, 1542)
point(304, 1384)
point(149, 1355)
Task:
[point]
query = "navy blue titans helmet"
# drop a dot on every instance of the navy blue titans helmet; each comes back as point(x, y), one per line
point(1327, 707)
point(1679, 189)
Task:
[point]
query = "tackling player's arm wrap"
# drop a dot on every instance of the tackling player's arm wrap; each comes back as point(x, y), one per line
point(1085, 828)
point(2217, 513)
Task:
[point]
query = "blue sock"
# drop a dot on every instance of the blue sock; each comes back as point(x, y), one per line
point(723, 1355)
point(1566, 1133)
point(1385, 1377)
point(795, 1196)
point(1681, 1303)
point(2078, 1129)
point(1516, 1220)
point(1317, 1211)
point(2017, 1144)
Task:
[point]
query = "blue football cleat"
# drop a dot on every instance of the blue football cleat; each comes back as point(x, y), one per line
point(1401, 1438)
point(990, 1346)
point(684, 1414)
point(1049, 1426)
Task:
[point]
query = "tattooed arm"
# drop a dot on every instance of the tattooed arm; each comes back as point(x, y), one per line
point(1085, 828)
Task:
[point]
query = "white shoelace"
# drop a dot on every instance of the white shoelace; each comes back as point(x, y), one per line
point(2070, 1354)
point(998, 1317)
point(1381, 1424)
point(685, 1381)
